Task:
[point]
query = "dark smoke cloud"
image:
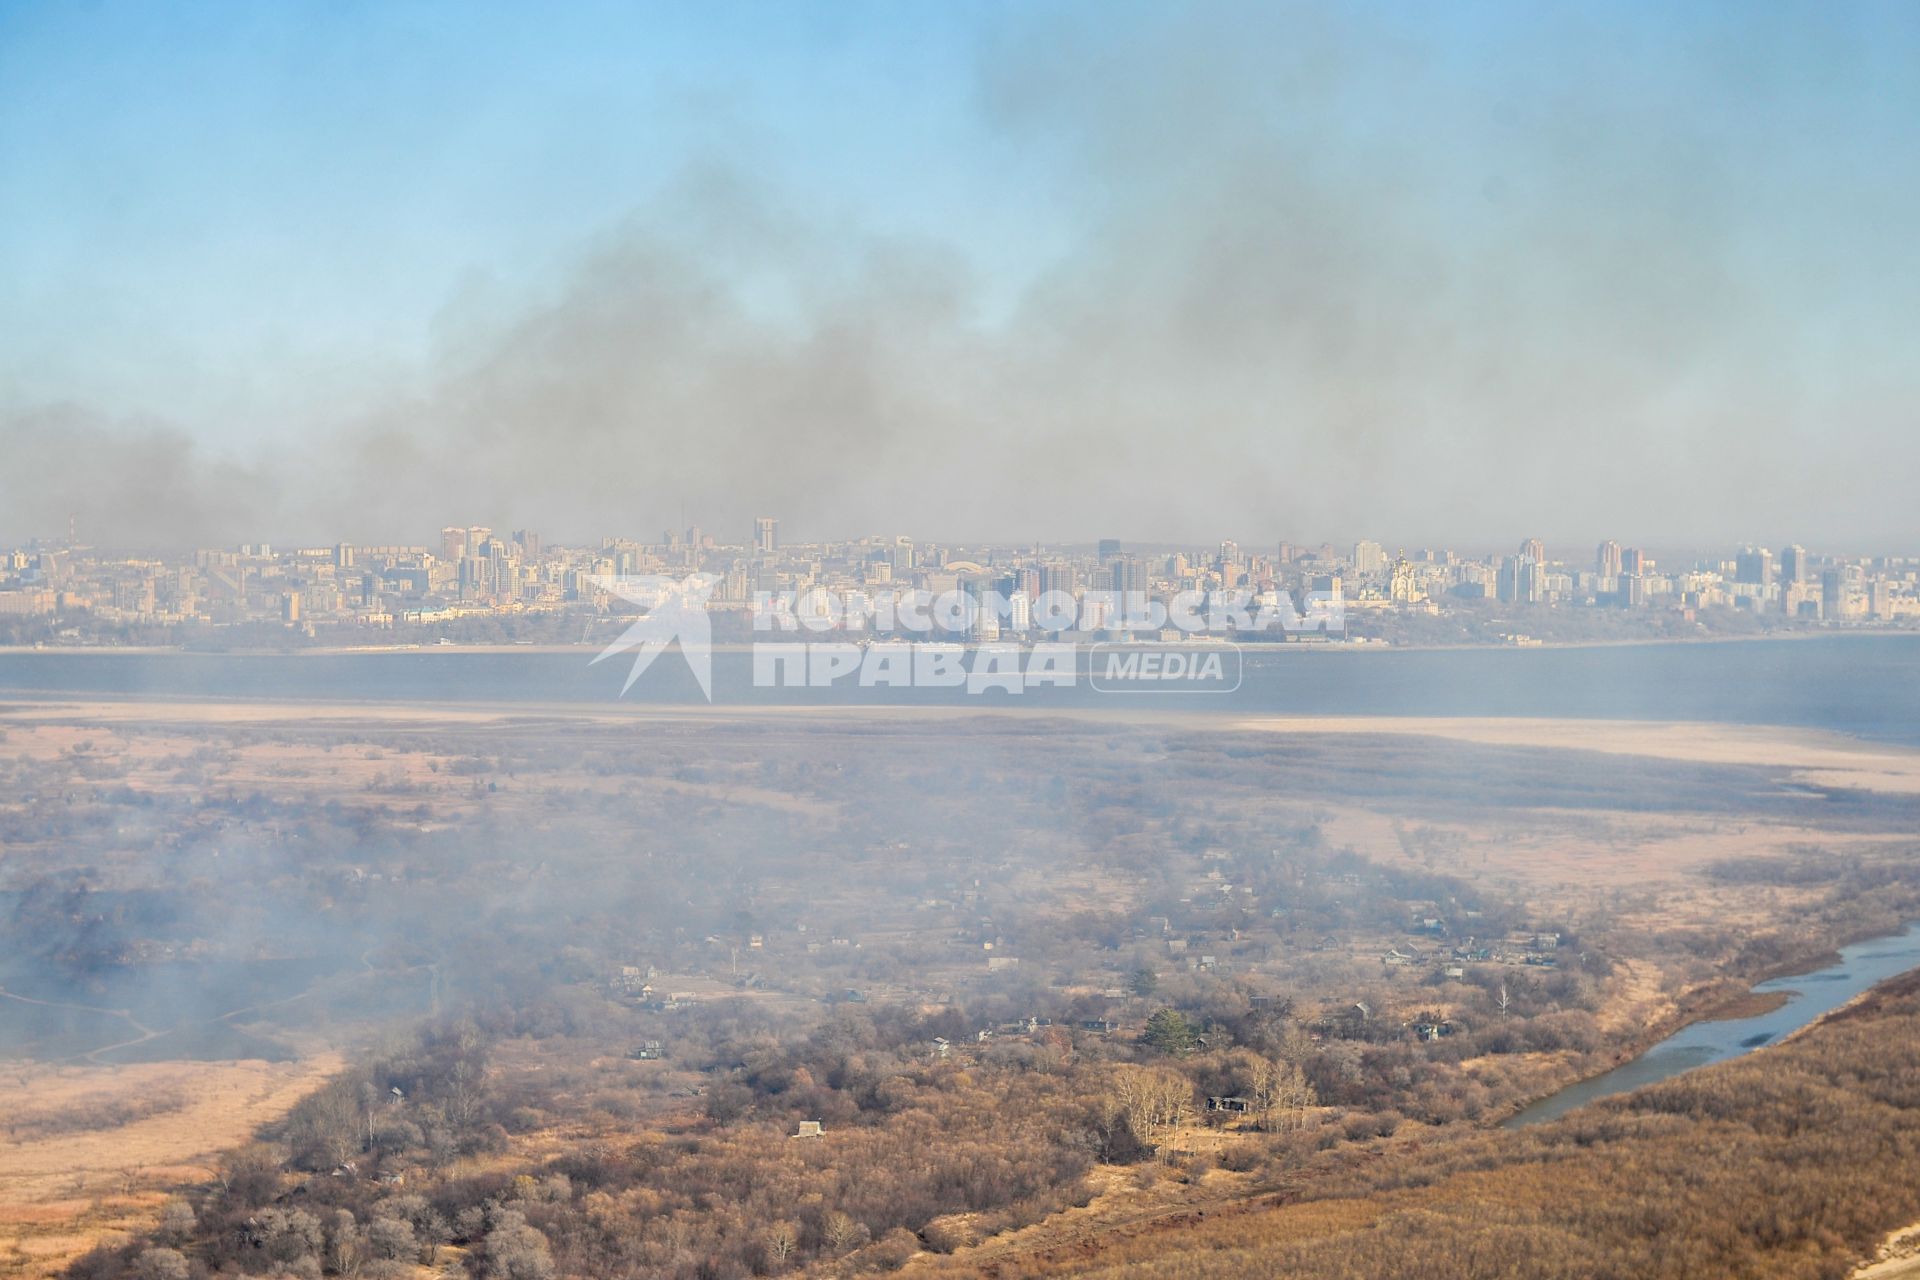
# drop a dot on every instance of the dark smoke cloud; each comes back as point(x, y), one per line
point(1322, 286)
point(125, 482)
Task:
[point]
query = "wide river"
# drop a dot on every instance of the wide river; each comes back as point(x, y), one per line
point(1868, 685)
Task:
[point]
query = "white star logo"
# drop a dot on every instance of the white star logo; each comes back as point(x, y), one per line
point(676, 610)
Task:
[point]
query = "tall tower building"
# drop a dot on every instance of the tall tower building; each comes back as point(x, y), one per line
point(1606, 559)
point(1834, 597)
point(1754, 565)
point(766, 535)
point(1521, 580)
point(1795, 565)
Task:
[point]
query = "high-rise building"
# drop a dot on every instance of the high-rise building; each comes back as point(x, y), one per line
point(1108, 549)
point(1879, 598)
point(476, 576)
point(1754, 565)
point(1056, 577)
point(1369, 557)
point(766, 535)
point(1833, 594)
point(1019, 612)
point(1606, 559)
point(1522, 580)
point(453, 544)
point(1535, 550)
point(1634, 562)
point(1795, 565)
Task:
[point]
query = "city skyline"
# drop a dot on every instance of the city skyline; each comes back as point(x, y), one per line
point(521, 580)
point(73, 534)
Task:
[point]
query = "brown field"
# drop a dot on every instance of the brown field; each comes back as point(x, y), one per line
point(1711, 1174)
point(81, 1174)
point(90, 1150)
point(1827, 759)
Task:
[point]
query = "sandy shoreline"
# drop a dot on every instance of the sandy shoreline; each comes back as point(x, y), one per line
point(1817, 757)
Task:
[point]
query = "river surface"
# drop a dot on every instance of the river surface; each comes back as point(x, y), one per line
point(1866, 685)
point(1809, 995)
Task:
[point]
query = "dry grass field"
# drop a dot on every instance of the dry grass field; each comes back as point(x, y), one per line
point(88, 1150)
point(91, 1146)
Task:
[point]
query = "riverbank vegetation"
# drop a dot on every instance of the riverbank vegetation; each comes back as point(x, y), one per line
point(1792, 1162)
point(597, 983)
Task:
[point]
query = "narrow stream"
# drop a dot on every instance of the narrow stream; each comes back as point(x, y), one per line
point(1809, 995)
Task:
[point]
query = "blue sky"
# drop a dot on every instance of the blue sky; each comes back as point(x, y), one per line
point(285, 187)
point(1360, 239)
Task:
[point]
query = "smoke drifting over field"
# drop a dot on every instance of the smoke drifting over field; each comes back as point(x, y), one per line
point(1315, 280)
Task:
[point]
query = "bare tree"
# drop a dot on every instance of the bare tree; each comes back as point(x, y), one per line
point(345, 1243)
point(177, 1222)
point(1281, 1094)
point(516, 1251)
point(780, 1240)
point(843, 1233)
point(161, 1264)
point(1152, 1099)
point(392, 1239)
